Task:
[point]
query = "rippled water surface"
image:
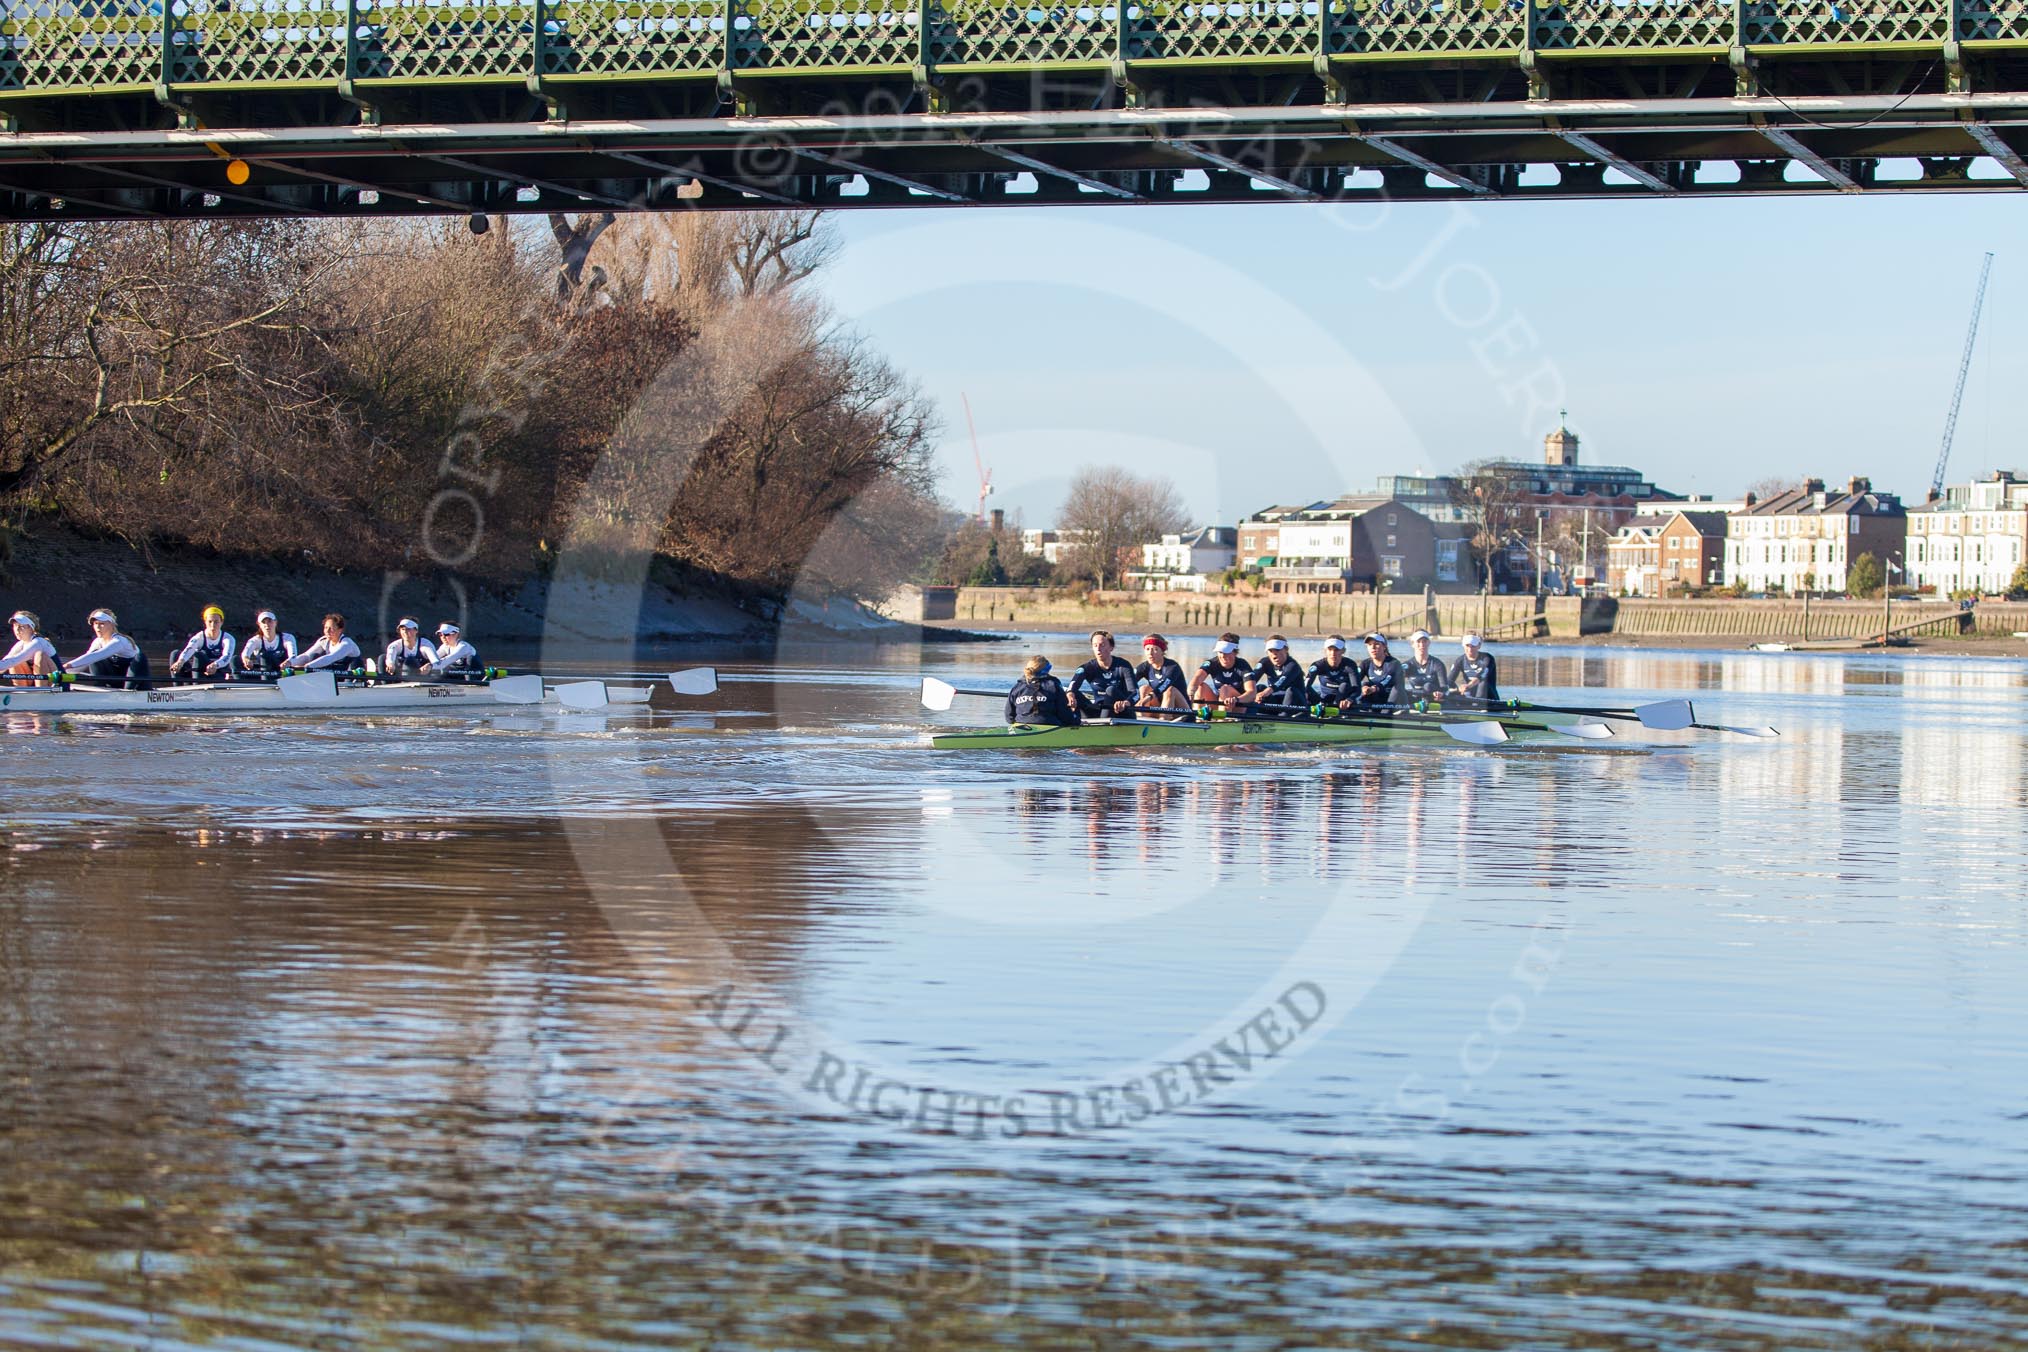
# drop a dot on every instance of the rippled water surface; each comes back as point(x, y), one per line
point(755, 1023)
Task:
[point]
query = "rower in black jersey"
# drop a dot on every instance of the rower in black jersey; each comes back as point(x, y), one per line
point(1221, 678)
point(1162, 684)
point(1279, 682)
point(1106, 686)
point(1379, 674)
point(1423, 677)
point(1334, 682)
point(1475, 675)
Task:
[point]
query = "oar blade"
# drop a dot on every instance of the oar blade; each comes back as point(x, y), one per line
point(1476, 734)
point(937, 694)
point(1671, 715)
point(1583, 728)
point(696, 681)
point(517, 690)
point(312, 687)
point(583, 695)
point(1761, 731)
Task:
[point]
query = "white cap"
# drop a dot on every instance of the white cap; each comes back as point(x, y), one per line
point(1337, 643)
point(1226, 648)
point(447, 628)
point(1277, 644)
point(1472, 640)
point(1418, 634)
point(408, 622)
point(23, 617)
point(103, 616)
point(267, 615)
point(1377, 637)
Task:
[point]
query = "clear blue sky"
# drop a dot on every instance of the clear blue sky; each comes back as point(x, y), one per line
point(1277, 352)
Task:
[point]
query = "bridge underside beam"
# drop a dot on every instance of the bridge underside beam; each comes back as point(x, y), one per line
point(1086, 156)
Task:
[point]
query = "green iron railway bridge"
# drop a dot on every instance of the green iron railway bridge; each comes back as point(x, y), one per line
point(116, 109)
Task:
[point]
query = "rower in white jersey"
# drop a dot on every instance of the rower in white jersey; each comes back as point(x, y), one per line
point(455, 660)
point(113, 658)
point(410, 655)
point(32, 655)
point(267, 649)
point(208, 654)
point(332, 650)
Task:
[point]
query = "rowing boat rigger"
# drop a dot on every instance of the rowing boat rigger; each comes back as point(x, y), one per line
point(1511, 722)
point(320, 692)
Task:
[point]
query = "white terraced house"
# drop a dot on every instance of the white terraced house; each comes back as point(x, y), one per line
point(1972, 538)
point(1806, 538)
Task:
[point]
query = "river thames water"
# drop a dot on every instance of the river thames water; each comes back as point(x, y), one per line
point(754, 1023)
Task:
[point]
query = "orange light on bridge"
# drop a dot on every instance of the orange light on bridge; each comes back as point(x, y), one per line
point(237, 172)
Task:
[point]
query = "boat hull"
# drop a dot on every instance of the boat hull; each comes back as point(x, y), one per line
point(1219, 732)
point(232, 701)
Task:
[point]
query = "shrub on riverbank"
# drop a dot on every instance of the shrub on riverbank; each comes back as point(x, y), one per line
point(410, 395)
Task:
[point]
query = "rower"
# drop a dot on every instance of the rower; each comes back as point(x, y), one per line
point(267, 650)
point(332, 650)
point(1039, 698)
point(1334, 682)
point(113, 658)
point(1475, 675)
point(1160, 678)
point(208, 654)
point(1279, 682)
point(1221, 678)
point(31, 656)
point(1379, 674)
point(1103, 687)
point(455, 659)
point(409, 656)
point(1423, 677)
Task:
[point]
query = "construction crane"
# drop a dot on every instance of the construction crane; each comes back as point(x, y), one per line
point(1943, 455)
point(986, 475)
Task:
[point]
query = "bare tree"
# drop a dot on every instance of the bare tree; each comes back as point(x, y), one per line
point(1492, 500)
point(1112, 512)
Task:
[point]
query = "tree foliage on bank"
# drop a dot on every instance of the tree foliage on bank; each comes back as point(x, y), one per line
point(268, 388)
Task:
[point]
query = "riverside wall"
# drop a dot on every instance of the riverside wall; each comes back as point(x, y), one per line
point(1500, 618)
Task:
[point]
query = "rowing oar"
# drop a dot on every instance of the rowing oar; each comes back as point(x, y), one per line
point(1472, 732)
point(1669, 715)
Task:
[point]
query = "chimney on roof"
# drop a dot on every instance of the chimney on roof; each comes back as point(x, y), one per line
point(999, 520)
point(1813, 485)
point(1752, 498)
point(1858, 484)
point(1932, 496)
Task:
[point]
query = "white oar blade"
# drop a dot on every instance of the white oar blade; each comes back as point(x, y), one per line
point(628, 694)
point(937, 694)
point(312, 687)
point(583, 695)
point(517, 690)
point(1671, 715)
point(1761, 731)
point(1476, 734)
point(1589, 731)
point(697, 681)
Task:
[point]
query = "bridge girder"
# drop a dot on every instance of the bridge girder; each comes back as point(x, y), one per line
point(391, 107)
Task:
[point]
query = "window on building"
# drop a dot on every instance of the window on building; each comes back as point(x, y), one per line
point(1390, 564)
point(1390, 542)
point(1390, 518)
